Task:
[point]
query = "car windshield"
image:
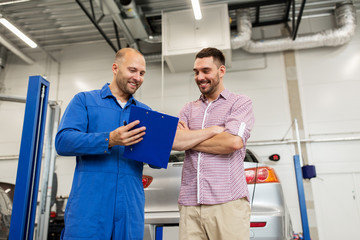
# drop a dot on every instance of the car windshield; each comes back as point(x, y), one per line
point(250, 157)
point(179, 157)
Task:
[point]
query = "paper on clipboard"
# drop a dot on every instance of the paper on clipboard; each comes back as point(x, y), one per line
point(160, 131)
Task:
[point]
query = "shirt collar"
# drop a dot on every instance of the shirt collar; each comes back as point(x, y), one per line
point(224, 94)
point(106, 92)
point(132, 100)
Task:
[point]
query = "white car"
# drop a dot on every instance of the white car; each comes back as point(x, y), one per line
point(269, 219)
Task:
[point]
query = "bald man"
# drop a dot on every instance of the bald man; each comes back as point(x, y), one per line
point(107, 196)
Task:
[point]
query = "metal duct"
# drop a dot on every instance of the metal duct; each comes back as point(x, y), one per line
point(128, 8)
point(345, 18)
point(153, 39)
point(152, 58)
point(134, 19)
point(110, 8)
point(243, 27)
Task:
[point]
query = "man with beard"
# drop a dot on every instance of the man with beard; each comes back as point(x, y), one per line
point(107, 196)
point(214, 199)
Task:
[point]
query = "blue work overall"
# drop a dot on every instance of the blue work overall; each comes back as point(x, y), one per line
point(107, 197)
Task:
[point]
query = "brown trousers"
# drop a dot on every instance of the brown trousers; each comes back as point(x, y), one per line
point(227, 221)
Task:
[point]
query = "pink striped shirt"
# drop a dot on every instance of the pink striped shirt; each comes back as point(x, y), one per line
point(214, 178)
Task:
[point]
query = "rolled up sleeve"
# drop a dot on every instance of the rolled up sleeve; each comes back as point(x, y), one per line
point(241, 120)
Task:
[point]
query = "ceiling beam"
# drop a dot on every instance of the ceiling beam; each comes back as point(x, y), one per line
point(256, 4)
point(298, 19)
point(93, 20)
point(11, 47)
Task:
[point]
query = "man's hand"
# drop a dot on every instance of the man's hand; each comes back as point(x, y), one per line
point(186, 139)
point(217, 129)
point(214, 129)
point(124, 136)
point(182, 125)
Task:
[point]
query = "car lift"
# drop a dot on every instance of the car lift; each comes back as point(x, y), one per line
point(159, 233)
point(48, 172)
point(29, 165)
point(300, 187)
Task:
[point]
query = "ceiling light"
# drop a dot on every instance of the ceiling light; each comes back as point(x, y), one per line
point(18, 33)
point(196, 8)
point(12, 2)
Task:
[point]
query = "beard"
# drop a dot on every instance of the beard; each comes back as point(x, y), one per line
point(213, 85)
point(124, 86)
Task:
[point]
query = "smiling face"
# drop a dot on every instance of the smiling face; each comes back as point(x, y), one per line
point(129, 71)
point(208, 77)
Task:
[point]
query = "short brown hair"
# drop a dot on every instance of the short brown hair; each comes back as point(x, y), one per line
point(217, 55)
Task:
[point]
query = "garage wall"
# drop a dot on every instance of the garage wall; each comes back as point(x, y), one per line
point(329, 85)
point(13, 82)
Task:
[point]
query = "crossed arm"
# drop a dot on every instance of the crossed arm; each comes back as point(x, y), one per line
point(210, 140)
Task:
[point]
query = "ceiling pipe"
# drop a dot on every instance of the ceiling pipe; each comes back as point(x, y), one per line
point(128, 7)
point(152, 58)
point(345, 18)
point(153, 39)
point(6, 43)
point(109, 7)
point(244, 29)
point(134, 19)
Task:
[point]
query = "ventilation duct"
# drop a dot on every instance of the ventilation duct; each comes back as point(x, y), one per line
point(345, 19)
point(109, 7)
point(244, 29)
point(152, 58)
point(183, 36)
point(153, 39)
point(134, 19)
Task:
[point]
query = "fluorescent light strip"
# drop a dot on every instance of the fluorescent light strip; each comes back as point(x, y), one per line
point(12, 2)
point(18, 33)
point(196, 9)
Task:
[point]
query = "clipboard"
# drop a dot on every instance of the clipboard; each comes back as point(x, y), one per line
point(159, 136)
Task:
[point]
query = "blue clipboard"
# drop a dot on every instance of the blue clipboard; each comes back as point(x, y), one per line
point(159, 136)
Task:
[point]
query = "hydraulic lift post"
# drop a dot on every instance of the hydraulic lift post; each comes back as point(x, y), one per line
point(28, 171)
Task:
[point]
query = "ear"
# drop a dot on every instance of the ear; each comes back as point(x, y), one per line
point(222, 70)
point(115, 68)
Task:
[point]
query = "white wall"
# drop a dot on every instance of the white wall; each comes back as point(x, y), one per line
point(13, 82)
point(329, 86)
